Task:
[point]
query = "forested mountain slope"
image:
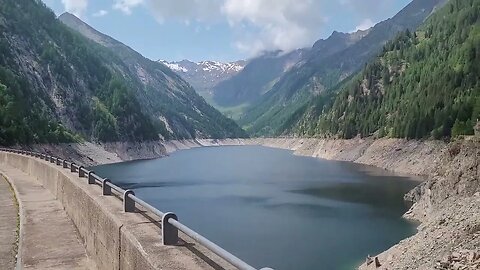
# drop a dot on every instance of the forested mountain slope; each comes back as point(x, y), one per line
point(56, 86)
point(424, 84)
point(322, 71)
point(256, 78)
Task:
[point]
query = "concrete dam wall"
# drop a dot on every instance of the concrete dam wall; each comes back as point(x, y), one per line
point(113, 239)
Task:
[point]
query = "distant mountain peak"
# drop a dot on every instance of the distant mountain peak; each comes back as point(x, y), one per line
point(205, 75)
point(85, 29)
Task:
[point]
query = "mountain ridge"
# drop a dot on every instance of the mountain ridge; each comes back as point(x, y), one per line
point(320, 72)
point(158, 99)
point(424, 84)
point(65, 87)
point(205, 75)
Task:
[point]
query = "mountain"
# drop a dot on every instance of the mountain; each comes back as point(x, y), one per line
point(323, 69)
point(56, 85)
point(424, 84)
point(337, 42)
point(163, 93)
point(255, 79)
point(205, 75)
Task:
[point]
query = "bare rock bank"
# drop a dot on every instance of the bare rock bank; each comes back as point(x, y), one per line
point(447, 203)
point(91, 154)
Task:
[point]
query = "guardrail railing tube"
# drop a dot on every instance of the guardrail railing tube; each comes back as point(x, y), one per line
point(128, 203)
point(169, 232)
point(106, 189)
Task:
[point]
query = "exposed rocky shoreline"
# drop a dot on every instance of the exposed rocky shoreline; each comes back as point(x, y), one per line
point(447, 203)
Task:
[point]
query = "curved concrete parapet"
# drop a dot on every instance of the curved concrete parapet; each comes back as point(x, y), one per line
point(113, 239)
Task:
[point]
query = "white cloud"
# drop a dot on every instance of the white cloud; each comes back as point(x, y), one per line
point(76, 7)
point(364, 25)
point(258, 24)
point(100, 13)
point(126, 6)
point(280, 24)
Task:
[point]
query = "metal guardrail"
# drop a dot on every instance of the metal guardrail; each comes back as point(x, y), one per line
point(169, 221)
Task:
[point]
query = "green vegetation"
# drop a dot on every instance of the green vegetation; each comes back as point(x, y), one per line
point(28, 113)
point(57, 86)
point(323, 67)
point(424, 84)
point(21, 117)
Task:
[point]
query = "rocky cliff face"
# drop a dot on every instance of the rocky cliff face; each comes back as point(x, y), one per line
point(163, 93)
point(59, 85)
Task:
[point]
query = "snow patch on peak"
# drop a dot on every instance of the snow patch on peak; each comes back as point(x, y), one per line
point(205, 75)
point(186, 66)
point(219, 66)
point(174, 66)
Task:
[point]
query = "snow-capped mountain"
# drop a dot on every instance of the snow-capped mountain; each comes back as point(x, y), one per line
point(205, 75)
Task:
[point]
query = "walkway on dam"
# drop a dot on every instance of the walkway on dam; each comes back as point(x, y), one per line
point(8, 226)
point(48, 239)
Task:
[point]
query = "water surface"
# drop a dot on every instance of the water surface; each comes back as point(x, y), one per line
point(272, 208)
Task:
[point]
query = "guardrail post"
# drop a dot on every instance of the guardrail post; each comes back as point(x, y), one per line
point(169, 232)
point(80, 172)
point(91, 179)
point(106, 189)
point(52, 159)
point(128, 204)
point(72, 167)
point(46, 157)
point(58, 161)
point(65, 165)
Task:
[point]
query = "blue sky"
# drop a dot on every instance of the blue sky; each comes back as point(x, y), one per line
point(224, 30)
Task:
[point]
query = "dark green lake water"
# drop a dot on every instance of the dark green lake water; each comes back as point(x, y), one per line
point(272, 208)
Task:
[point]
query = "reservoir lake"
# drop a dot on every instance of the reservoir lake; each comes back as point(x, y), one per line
point(272, 208)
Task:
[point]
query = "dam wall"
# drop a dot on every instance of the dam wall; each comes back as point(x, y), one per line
point(113, 238)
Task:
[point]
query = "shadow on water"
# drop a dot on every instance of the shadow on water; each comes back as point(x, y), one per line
point(134, 185)
point(360, 193)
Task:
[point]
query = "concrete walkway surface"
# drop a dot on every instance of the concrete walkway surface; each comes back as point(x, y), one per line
point(48, 237)
point(8, 226)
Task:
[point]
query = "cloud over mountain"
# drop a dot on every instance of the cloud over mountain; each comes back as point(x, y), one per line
point(256, 25)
